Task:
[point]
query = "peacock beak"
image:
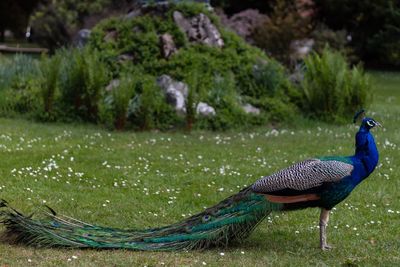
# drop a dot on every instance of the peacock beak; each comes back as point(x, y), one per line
point(378, 124)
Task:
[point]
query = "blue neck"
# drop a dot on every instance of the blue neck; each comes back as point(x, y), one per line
point(366, 150)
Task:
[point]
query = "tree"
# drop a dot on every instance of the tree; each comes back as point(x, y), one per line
point(374, 26)
point(56, 22)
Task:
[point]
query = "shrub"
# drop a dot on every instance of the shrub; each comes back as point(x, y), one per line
point(84, 76)
point(18, 85)
point(115, 104)
point(149, 109)
point(224, 77)
point(269, 78)
point(17, 70)
point(49, 77)
point(223, 96)
point(250, 72)
point(333, 91)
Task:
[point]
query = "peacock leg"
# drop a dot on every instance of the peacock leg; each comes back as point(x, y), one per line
point(323, 222)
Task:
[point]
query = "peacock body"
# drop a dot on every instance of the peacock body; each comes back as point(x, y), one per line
point(320, 182)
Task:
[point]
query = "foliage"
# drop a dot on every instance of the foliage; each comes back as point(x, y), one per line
point(18, 88)
point(16, 70)
point(337, 40)
point(71, 85)
point(149, 109)
point(84, 76)
point(374, 26)
point(331, 89)
point(385, 45)
point(285, 25)
point(114, 109)
point(49, 77)
point(54, 23)
point(198, 65)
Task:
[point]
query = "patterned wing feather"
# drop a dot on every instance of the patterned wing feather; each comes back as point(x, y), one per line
point(304, 175)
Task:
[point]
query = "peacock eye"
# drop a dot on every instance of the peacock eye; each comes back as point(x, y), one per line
point(370, 123)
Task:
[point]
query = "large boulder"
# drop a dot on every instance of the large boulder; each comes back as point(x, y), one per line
point(82, 37)
point(175, 92)
point(250, 109)
point(168, 47)
point(199, 29)
point(205, 110)
point(244, 22)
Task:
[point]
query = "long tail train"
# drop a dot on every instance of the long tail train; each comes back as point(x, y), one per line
point(231, 220)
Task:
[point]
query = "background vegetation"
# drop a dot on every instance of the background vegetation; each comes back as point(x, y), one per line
point(70, 85)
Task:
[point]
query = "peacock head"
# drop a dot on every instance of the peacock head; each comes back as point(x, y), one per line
point(366, 123)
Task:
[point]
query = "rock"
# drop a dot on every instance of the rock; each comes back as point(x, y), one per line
point(82, 37)
point(182, 23)
point(167, 45)
point(133, 14)
point(199, 29)
point(244, 23)
point(111, 36)
point(301, 48)
point(125, 57)
point(204, 109)
point(250, 109)
point(176, 92)
point(113, 84)
point(298, 74)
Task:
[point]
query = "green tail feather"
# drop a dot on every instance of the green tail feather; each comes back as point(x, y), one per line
point(232, 220)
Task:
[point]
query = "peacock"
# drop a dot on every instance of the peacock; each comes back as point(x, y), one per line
point(318, 182)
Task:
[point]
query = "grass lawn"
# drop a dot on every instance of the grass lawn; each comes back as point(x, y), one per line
point(133, 180)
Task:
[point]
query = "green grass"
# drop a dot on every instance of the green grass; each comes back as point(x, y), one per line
point(152, 179)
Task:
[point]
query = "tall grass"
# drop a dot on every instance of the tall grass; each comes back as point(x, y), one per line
point(152, 110)
point(114, 108)
point(84, 75)
point(49, 77)
point(332, 90)
point(17, 86)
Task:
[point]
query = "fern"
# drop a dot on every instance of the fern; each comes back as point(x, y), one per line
point(331, 89)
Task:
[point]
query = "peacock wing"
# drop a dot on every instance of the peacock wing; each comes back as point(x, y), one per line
point(303, 176)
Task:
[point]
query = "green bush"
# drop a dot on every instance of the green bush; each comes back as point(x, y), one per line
point(247, 68)
point(18, 86)
point(83, 78)
point(333, 91)
point(149, 109)
point(71, 85)
point(114, 107)
point(223, 97)
point(49, 78)
point(16, 71)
